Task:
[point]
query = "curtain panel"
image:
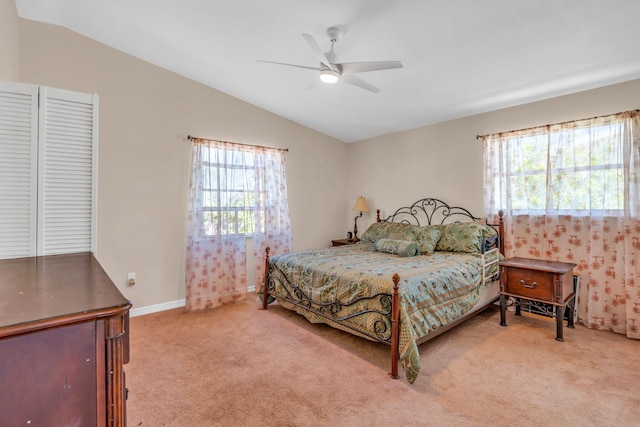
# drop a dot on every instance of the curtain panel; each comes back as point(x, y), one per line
point(571, 193)
point(238, 200)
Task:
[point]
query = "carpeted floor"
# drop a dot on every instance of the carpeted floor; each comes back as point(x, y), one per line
point(241, 366)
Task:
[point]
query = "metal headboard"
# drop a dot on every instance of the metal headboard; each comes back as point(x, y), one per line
point(429, 211)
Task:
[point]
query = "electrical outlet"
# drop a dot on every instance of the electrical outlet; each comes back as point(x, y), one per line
point(132, 278)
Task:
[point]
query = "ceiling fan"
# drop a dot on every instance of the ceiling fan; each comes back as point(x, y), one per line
point(332, 71)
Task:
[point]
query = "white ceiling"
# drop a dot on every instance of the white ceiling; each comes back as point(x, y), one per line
point(460, 57)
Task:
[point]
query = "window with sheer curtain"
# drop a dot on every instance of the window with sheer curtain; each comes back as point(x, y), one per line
point(570, 192)
point(238, 204)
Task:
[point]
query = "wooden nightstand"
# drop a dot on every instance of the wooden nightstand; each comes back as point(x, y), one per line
point(538, 281)
point(343, 242)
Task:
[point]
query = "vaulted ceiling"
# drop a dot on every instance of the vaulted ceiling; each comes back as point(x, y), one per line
point(460, 57)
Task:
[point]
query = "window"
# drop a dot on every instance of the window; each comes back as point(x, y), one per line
point(238, 208)
point(576, 168)
point(232, 204)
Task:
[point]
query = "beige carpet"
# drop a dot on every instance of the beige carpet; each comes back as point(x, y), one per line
point(241, 366)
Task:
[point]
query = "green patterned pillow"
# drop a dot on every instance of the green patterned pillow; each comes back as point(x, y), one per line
point(390, 230)
point(428, 238)
point(464, 237)
point(397, 247)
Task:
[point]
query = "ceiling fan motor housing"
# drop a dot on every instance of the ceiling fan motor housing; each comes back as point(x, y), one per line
point(334, 33)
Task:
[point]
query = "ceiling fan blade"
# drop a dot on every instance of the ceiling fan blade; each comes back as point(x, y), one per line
point(363, 67)
point(320, 56)
point(290, 65)
point(357, 81)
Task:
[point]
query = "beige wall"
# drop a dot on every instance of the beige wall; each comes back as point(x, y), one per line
point(9, 41)
point(445, 160)
point(145, 115)
point(146, 112)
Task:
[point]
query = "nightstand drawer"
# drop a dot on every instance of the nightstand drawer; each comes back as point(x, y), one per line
point(530, 284)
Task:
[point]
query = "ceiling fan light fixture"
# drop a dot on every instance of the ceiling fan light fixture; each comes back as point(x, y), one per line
point(329, 76)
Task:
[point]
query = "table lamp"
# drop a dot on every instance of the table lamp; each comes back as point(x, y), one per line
point(360, 206)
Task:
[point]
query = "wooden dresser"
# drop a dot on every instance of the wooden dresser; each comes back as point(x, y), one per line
point(63, 343)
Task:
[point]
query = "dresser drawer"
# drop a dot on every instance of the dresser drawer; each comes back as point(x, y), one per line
point(530, 284)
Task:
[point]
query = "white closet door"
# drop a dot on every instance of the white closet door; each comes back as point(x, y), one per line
point(67, 172)
point(18, 169)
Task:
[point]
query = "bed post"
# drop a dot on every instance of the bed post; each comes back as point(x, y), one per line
point(395, 327)
point(377, 215)
point(265, 295)
point(501, 231)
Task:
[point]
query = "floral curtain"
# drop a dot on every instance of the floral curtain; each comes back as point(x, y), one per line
point(570, 193)
point(238, 200)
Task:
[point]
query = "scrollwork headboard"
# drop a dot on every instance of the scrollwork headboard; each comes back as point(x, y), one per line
point(429, 211)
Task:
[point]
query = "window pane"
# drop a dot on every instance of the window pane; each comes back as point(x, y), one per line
point(210, 222)
point(230, 222)
point(210, 177)
point(210, 199)
point(234, 179)
point(607, 189)
point(245, 222)
point(529, 191)
point(528, 155)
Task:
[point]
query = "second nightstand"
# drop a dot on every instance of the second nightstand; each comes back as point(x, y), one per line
point(343, 242)
point(538, 281)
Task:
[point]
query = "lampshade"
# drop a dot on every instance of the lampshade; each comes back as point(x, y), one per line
point(329, 76)
point(361, 205)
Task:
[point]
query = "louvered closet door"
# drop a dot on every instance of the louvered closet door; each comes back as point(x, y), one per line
point(18, 169)
point(67, 172)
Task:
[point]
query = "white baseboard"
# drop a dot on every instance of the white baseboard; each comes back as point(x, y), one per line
point(157, 307)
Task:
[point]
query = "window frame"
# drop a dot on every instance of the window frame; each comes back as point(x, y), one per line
point(552, 172)
point(222, 210)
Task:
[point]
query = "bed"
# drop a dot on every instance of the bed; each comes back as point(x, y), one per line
point(413, 275)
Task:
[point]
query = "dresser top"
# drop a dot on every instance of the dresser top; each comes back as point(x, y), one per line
point(46, 291)
point(538, 265)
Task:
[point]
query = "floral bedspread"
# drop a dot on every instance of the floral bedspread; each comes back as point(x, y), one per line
point(435, 289)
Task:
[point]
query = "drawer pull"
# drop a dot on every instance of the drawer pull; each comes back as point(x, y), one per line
point(531, 286)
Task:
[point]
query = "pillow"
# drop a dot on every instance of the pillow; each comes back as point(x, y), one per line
point(390, 230)
point(428, 238)
point(397, 247)
point(464, 237)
